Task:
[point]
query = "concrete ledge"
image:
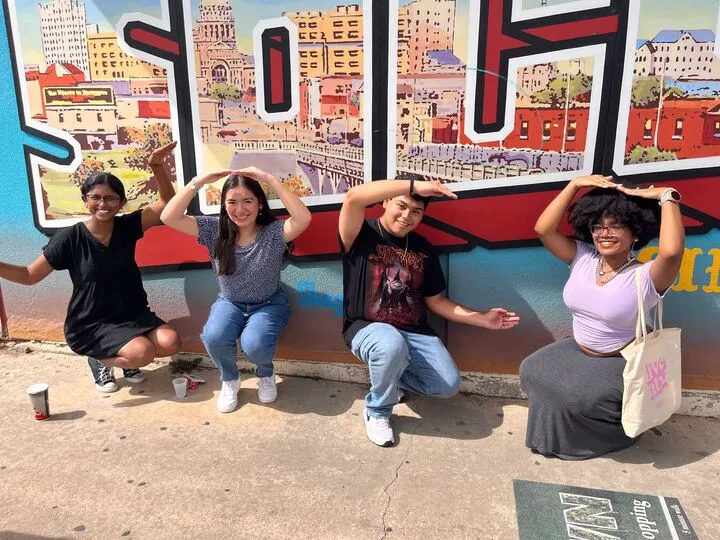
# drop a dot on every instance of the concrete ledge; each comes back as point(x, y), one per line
point(705, 403)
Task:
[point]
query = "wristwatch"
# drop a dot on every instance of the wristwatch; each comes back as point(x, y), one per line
point(669, 194)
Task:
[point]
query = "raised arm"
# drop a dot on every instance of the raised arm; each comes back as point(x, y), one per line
point(173, 215)
point(548, 223)
point(671, 246)
point(300, 216)
point(358, 198)
point(151, 213)
point(494, 319)
point(38, 270)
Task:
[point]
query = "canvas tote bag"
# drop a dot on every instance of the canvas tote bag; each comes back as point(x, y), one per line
point(652, 375)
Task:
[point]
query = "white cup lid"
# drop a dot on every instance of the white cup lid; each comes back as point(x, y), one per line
point(37, 388)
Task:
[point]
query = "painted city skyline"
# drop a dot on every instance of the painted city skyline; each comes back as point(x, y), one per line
point(117, 107)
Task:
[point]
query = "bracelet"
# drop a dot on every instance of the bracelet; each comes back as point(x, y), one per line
point(412, 184)
point(192, 185)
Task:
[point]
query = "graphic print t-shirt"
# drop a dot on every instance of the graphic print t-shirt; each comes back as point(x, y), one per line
point(383, 283)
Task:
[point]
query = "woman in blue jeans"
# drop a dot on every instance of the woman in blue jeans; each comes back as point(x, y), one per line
point(247, 246)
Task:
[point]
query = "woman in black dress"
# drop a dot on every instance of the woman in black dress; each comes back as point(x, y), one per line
point(108, 318)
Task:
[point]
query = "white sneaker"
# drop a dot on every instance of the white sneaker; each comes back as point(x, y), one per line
point(379, 430)
point(267, 389)
point(227, 400)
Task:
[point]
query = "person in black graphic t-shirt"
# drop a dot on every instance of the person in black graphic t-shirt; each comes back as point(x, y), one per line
point(391, 275)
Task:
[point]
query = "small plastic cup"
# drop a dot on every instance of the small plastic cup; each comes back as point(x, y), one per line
point(180, 385)
point(39, 398)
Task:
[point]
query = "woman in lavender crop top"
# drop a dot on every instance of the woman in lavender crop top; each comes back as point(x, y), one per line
point(247, 246)
point(575, 385)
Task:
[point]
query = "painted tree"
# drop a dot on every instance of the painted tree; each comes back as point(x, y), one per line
point(646, 92)
point(155, 135)
point(555, 94)
point(87, 167)
point(226, 92)
point(643, 154)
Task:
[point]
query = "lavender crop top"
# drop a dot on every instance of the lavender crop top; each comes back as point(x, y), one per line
point(604, 316)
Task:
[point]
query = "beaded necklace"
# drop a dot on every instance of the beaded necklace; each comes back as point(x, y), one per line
point(614, 271)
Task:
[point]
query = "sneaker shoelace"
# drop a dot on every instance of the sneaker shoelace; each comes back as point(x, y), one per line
point(266, 383)
point(105, 375)
point(132, 372)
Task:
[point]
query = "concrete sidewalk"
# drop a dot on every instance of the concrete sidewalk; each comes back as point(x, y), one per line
point(140, 464)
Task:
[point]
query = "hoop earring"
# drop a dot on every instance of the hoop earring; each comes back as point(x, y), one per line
point(632, 248)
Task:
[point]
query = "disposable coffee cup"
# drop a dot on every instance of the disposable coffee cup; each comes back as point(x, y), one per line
point(180, 385)
point(39, 398)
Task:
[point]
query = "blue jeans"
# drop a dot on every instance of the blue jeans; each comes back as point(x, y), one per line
point(407, 360)
point(256, 325)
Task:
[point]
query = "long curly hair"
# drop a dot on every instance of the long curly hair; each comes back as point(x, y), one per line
point(641, 216)
point(225, 246)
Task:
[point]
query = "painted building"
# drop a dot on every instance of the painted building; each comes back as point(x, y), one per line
point(644, 65)
point(55, 75)
point(687, 127)
point(108, 62)
point(216, 56)
point(686, 54)
point(427, 25)
point(330, 42)
point(89, 114)
point(63, 30)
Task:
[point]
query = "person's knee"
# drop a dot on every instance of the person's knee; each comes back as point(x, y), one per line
point(170, 342)
point(524, 370)
point(389, 348)
point(140, 355)
point(450, 387)
point(214, 337)
point(255, 343)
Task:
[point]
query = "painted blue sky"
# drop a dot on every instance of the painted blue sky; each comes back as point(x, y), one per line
point(657, 15)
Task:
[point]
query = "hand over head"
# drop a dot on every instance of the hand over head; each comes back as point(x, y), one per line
point(595, 180)
point(432, 188)
point(212, 176)
point(159, 154)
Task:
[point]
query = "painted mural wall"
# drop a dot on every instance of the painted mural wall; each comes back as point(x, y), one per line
point(505, 100)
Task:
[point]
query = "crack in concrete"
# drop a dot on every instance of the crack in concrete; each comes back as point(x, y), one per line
point(397, 474)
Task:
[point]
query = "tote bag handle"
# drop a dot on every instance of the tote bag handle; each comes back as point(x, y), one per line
point(640, 327)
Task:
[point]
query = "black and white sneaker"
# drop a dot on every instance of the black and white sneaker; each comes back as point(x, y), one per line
point(133, 375)
point(103, 376)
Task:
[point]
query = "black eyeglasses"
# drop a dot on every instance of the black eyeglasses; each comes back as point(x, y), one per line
point(616, 228)
point(107, 199)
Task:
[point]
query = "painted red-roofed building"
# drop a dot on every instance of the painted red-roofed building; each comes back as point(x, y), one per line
point(688, 127)
point(61, 75)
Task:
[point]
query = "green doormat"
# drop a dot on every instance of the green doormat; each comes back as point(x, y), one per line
point(556, 512)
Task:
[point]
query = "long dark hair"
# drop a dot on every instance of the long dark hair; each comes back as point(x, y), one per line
point(103, 178)
point(225, 246)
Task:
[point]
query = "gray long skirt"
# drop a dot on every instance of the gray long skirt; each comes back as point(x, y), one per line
point(574, 402)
